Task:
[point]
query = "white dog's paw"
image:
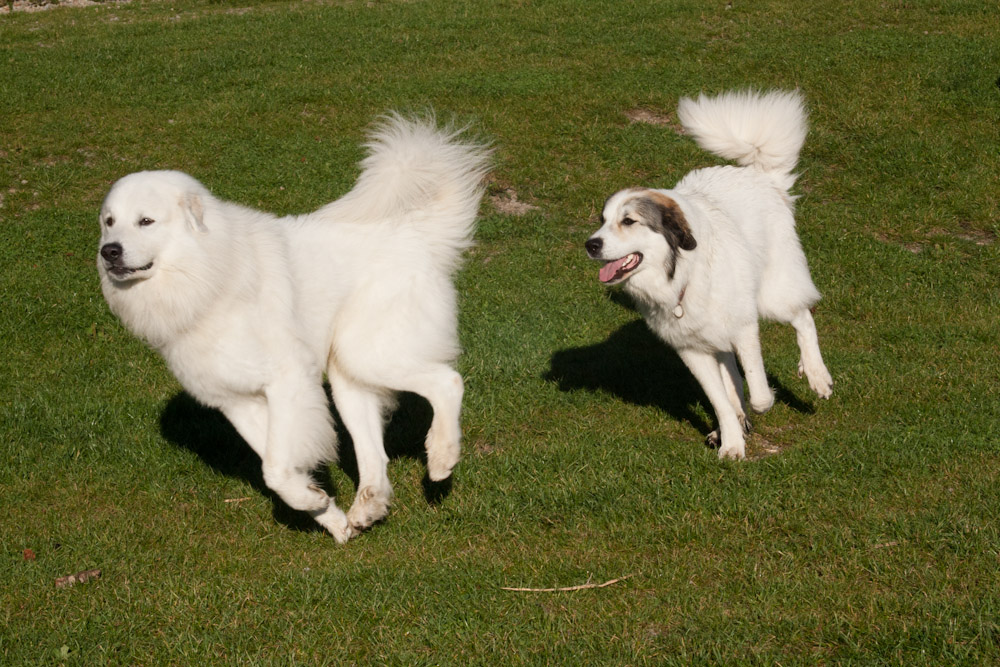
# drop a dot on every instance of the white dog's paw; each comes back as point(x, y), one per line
point(713, 440)
point(819, 379)
point(762, 405)
point(734, 452)
point(333, 519)
point(442, 456)
point(728, 450)
point(370, 505)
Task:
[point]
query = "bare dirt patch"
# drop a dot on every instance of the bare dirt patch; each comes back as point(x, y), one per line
point(650, 117)
point(969, 234)
point(507, 203)
point(42, 5)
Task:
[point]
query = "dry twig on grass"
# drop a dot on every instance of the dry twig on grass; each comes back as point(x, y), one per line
point(566, 588)
point(78, 578)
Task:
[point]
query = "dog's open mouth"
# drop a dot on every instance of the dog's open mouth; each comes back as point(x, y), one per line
point(616, 270)
point(122, 272)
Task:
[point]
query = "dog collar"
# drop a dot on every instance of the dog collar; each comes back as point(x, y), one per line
point(679, 309)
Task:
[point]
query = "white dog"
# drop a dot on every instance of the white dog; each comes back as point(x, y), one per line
point(705, 260)
point(249, 311)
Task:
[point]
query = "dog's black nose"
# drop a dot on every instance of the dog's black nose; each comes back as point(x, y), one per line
point(112, 252)
point(594, 246)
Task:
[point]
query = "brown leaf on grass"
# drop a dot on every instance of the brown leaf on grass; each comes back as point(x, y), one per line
point(78, 578)
point(28, 554)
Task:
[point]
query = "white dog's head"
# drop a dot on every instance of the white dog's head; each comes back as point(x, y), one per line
point(641, 229)
point(145, 220)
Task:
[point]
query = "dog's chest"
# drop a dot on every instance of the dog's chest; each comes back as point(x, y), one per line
point(687, 326)
point(214, 364)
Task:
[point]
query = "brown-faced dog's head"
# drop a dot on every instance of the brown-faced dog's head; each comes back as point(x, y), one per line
point(640, 229)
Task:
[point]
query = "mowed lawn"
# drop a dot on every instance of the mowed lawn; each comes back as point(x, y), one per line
point(863, 529)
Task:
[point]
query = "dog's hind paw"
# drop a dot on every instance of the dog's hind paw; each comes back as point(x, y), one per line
point(442, 456)
point(819, 378)
point(759, 406)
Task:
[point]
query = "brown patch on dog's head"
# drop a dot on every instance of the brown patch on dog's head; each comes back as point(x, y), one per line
point(674, 225)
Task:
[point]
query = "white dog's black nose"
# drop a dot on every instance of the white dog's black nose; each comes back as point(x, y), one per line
point(112, 252)
point(594, 246)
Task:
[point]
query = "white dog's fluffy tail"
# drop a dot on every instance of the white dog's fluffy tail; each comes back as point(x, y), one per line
point(765, 130)
point(416, 170)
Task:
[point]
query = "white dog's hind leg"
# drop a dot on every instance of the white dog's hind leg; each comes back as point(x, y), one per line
point(706, 368)
point(361, 411)
point(443, 388)
point(811, 360)
point(748, 349)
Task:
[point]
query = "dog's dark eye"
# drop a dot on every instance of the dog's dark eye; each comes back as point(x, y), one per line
point(628, 221)
point(146, 222)
point(109, 221)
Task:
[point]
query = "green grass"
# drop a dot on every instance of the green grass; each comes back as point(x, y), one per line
point(870, 537)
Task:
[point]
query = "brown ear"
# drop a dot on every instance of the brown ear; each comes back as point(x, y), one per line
point(666, 217)
point(675, 226)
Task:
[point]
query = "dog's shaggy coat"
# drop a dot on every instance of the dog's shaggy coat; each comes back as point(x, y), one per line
point(249, 311)
point(705, 260)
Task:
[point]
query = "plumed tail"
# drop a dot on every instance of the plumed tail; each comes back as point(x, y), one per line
point(418, 171)
point(765, 130)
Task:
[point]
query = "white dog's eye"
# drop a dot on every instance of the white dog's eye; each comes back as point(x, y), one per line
point(628, 221)
point(109, 221)
point(146, 222)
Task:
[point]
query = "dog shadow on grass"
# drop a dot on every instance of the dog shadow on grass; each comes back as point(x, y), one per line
point(638, 368)
point(207, 433)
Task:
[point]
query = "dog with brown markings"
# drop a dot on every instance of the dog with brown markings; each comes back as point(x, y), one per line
point(705, 260)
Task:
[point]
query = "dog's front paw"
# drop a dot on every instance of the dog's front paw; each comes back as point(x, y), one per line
point(734, 452)
point(333, 519)
point(370, 505)
point(713, 440)
point(728, 449)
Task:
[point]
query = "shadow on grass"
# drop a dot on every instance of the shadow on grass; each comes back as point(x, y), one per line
point(207, 433)
point(638, 368)
point(634, 366)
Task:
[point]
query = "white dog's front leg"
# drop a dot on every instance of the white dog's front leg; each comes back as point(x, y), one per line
point(250, 418)
point(706, 368)
point(300, 436)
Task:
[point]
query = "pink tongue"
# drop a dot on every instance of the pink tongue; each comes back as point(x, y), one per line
point(610, 270)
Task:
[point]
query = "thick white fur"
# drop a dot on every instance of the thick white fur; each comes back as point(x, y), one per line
point(747, 263)
point(249, 311)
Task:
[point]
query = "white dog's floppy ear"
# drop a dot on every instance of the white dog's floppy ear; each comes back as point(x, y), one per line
point(675, 227)
point(194, 211)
